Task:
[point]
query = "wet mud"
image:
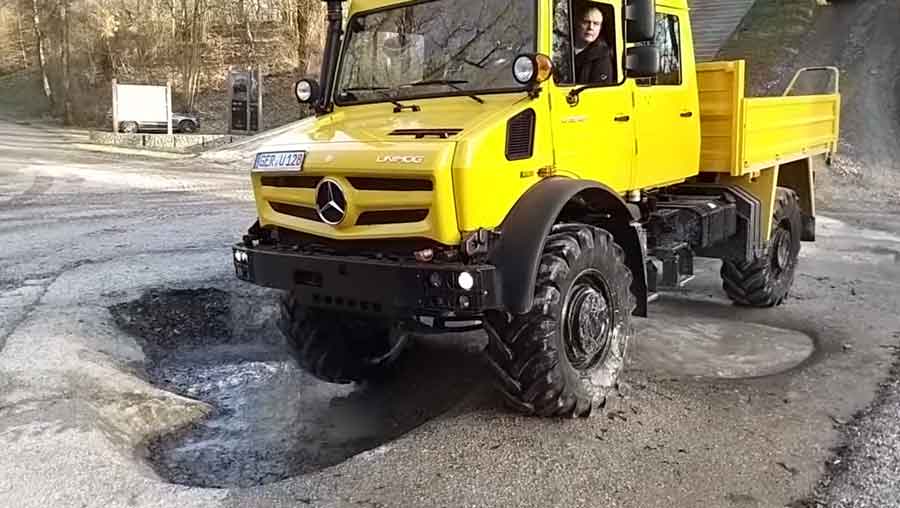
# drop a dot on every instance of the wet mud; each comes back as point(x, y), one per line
point(271, 420)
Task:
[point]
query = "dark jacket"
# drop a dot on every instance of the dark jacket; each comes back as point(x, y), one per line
point(594, 64)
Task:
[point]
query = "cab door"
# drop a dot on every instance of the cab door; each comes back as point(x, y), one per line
point(668, 116)
point(593, 132)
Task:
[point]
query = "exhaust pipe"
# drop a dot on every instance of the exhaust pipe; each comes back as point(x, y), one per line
point(332, 48)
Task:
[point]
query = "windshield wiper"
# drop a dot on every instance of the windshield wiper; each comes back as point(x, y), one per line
point(448, 82)
point(398, 106)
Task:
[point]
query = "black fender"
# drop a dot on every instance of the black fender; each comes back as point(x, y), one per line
point(527, 226)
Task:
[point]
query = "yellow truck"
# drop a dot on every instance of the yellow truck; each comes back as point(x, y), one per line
point(537, 169)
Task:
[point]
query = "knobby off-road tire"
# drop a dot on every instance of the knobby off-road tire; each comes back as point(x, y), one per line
point(564, 357)
point(766, 281)
point(336, 347)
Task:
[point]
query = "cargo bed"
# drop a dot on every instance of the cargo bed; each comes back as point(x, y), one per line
point(741, 135)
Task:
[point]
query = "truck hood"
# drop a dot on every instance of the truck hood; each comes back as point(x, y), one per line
point(446, 118)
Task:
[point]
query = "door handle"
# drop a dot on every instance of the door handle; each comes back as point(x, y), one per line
point(622, 118)
point(687, 114)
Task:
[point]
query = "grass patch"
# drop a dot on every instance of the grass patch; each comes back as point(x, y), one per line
point(22, 96)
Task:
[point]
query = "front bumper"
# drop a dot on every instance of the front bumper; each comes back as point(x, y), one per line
point(365, 285)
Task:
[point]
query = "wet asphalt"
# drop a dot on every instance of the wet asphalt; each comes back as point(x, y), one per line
point(860, 37)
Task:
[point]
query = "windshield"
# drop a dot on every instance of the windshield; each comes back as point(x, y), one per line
point(439, 47)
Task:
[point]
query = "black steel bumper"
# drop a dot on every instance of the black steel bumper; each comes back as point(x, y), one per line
point(368, 285)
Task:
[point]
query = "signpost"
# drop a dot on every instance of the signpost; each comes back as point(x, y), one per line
point(245, 100)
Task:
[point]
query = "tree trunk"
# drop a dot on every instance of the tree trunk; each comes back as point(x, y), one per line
point(67, 102)
point(42, 58)
point(21, 33)
point(193, 34)
point(301, 33)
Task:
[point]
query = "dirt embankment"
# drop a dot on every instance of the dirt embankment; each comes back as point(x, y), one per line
point(858, 37)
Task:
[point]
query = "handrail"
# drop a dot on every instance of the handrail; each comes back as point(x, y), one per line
point(837, 77)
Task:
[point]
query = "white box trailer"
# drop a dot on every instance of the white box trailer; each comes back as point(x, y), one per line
point(141, 107)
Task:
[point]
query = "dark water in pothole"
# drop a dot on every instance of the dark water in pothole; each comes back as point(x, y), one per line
point(271, 420)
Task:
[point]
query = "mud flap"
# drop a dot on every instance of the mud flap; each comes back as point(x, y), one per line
point(809, 229)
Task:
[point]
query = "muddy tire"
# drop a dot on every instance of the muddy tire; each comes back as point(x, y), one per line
point(565, 356)
point(336, 347)
point(766, 281)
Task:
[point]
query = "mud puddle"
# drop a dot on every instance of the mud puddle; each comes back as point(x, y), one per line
point(272, 421)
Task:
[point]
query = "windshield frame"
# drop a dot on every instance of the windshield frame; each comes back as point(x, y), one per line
point(345, 43)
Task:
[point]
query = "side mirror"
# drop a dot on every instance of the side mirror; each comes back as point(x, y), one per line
point(642, 62)
point(307, 91)
point(640, 17)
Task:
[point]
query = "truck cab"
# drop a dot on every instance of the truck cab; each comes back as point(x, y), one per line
point(537, 169)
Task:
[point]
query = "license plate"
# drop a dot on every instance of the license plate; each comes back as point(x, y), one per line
point(279, 161)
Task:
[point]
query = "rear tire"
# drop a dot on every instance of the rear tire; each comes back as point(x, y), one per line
point(564, 357)
point(336, 347)
point(766, 281)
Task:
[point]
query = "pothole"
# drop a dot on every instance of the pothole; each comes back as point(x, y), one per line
point(703, 347)
point(271, 420)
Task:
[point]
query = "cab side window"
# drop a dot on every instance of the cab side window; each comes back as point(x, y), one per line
point(668, 40)
point(584, 43)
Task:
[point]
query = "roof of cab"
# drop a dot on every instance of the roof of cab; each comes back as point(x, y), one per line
point(365, 5)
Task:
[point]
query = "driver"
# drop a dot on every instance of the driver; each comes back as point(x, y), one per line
point(593, 58)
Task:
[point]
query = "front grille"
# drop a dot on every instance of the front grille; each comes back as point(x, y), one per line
point(291, 182)
point(391, 184)
point(391, 217)
point(304, 206)
point(302, 212)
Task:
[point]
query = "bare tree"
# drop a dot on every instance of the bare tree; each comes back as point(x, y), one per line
point(39, 48)
point(67, 99)
point(20, 33)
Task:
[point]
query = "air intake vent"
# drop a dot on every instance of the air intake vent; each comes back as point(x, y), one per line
point(520, 136)
point(421, 133)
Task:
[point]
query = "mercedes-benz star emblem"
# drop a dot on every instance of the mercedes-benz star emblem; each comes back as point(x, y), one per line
point(331, 204)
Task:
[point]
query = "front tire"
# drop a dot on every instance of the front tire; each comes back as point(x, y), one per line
point(766, 281)
point(336, 347)
point(565, 356)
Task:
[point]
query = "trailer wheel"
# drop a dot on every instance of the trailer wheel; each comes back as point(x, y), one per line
point(766, 281)
point(564, 357)
point(187, 126)
point(337, 347)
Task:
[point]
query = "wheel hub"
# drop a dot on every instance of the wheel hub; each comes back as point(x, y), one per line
point(588, 321)
point(782, 250)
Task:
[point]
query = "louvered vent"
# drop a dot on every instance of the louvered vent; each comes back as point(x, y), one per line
point(520, 136)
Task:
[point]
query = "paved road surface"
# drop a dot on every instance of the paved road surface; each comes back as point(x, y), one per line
point(722, 408)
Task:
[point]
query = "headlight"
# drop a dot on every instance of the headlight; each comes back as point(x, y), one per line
point(524, 69)
point(466, 281)
point(306, 90)
point(532, 69)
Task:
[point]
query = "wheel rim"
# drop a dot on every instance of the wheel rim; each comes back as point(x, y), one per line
point(781, 261)
point(587, 318)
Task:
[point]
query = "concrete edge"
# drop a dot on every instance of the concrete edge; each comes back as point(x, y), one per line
point(91, 147)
